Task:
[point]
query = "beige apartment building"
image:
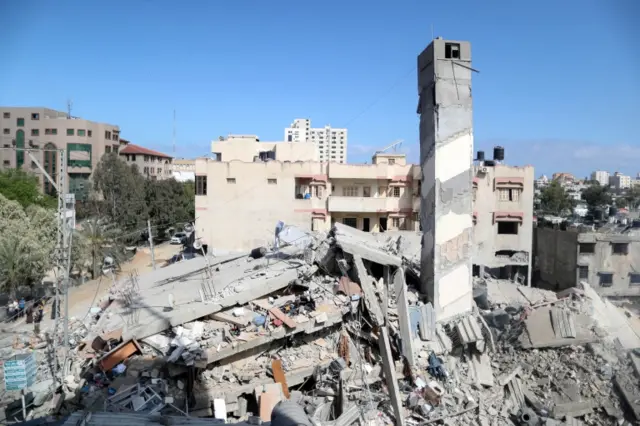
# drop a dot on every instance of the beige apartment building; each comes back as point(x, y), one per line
point(183, 169)
point(151, 164)
point(503, 220)
point(249, 186)
point(35, 127)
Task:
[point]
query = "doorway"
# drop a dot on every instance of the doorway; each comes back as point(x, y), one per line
point(383, 224)
point(366, 224)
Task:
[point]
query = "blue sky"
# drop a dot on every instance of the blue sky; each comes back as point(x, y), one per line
point(558, 83)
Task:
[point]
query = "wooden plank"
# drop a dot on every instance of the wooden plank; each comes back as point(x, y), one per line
point(276, 312)
point(279, 377)
point(119, 354)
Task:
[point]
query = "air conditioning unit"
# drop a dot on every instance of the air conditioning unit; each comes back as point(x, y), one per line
point(483, 169)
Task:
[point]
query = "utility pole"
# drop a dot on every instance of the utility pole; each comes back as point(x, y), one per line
point(63, 247)
point(153, 257)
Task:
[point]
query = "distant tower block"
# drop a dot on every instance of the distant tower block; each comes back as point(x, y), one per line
point(446, 158)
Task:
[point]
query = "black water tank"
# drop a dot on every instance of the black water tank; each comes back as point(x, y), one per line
point(498, 153)
point(480, 156)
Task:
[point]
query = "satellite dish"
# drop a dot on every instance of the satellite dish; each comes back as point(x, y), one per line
point(197, 245)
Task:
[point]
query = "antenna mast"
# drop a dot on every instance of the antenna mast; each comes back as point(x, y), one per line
point(69, 106)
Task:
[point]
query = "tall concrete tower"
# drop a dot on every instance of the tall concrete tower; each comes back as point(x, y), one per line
point(446, 159)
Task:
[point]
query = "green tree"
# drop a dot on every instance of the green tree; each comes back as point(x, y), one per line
point(555, 200)
point(23, 187)
point(632, 197)
point(169, 202)
point(123, 190)
point(27, 244)
point(597, 196)
point(96, 241)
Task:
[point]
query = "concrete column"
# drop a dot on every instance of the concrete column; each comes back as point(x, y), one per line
point(446, 158)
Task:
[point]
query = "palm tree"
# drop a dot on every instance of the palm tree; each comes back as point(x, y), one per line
point(16, 263)
point(96, 241)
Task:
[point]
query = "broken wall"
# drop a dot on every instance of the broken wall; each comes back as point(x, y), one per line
point(446, 152)
point(556, 258)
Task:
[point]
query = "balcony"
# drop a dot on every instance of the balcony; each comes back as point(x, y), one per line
point(368, 204)
point(357, 204)
point(310, 204)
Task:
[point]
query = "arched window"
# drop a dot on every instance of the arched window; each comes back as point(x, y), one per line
point(51, 166)
point(19, 153)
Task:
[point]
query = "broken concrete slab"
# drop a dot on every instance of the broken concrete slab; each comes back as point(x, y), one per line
point(480, 366)
point(573, 409)
point(630, 393)
point(155, 286)
point(427, 325)
point(370, 297)
point(356, 242)
point(540, 332)
point(563, 324)
point(404, 324)
point(390, 376)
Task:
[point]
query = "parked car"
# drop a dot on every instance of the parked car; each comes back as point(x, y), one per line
point(179, 238)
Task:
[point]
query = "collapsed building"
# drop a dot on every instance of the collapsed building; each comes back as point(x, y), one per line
point(335, 324)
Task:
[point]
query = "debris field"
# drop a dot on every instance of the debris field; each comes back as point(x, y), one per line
point(333, 323)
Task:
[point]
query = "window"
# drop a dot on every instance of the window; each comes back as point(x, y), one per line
point(82, 132)
point(50, 131)
point(146, 158)
point(396, 191)
point(634, 278)
point(107, 134)
point(20, 122)
point(620, 248)
point(475, 194)
point(159, 170)
point(317, 191)
point(201, 185)
point(506, 194)
point(606, 279)
point(350, 191)
point(70, 132)
point(366, 191)
point(35, 116)
point(350, 221)
point(145, 170)
point(6, 131)
point(272, 181)
point(7, 162)
point(583, 272)
point(107, 150)
point(6, 115)
point(392, 161)
point(115, 148)
point(89, 133)
point(395, 222)
point(231, 180)
point(452, 51)
point(587, 248)
point(508, 228)
point(116, 137)
point(35, 132)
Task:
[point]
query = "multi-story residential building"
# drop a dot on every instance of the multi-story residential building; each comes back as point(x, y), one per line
point(503, 219)
point(183, 169)
point(600, 176)
point(331, 143)
point(608, 260)
point(249, 186)
point(152, 164)
point(36, 127)
point(620, 181)
point(563, 177)
point(542, 181)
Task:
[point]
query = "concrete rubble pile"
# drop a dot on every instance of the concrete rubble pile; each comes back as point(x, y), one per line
point(334, 324)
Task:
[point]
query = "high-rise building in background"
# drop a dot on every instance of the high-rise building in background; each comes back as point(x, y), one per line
point(601, 176)
point(331, 143)
point(620, 181)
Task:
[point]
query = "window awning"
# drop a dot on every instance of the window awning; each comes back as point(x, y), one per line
point(508, 217)
point(509, 182)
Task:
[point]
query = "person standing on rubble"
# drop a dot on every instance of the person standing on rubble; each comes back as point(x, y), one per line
point(279, 228)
